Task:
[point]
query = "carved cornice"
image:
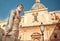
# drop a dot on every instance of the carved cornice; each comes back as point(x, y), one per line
point(39, 25)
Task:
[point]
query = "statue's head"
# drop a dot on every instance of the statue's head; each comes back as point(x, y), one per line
point(19, 7)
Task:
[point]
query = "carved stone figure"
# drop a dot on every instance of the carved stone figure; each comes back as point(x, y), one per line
point(35, 17)
point(12, 28)
point(1, 33)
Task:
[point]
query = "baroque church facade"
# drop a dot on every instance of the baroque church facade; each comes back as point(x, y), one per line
point(30, 24)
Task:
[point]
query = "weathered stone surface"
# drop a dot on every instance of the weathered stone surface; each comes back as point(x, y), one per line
point(0, 34)
point(8, 38)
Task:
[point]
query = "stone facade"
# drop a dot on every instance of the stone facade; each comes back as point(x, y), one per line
point(30, 24)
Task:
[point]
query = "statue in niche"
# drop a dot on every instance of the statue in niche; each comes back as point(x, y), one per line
point(56, 17)
point(35, 17)
point(12, 28)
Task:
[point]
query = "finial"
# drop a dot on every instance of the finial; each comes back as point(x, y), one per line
point(37, 1)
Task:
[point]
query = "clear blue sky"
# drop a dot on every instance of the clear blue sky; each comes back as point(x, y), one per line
point(7, 5)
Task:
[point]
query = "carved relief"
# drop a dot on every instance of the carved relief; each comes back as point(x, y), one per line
point(35, 17)
point(36, 36)
point(54, 16)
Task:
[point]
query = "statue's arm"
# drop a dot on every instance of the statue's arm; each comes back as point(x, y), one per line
point(10, 21)
point(11, 18)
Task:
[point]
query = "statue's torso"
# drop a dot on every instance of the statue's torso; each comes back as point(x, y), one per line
point(16, 22)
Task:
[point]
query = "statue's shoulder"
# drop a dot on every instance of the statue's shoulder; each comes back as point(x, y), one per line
point(13, 10)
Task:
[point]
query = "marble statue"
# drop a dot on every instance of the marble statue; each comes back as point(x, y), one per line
point(12, 28)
